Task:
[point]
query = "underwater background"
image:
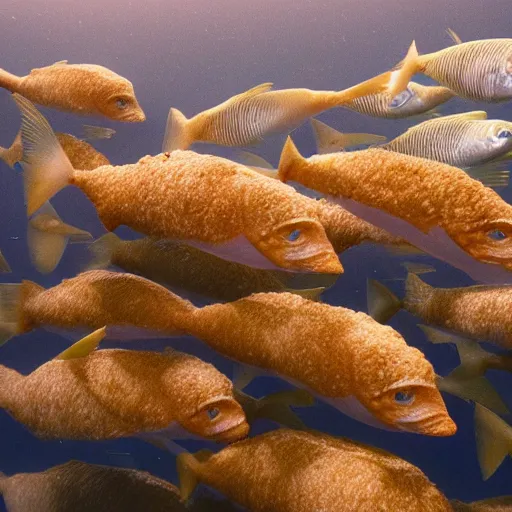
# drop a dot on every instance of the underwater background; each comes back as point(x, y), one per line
point(193, 55)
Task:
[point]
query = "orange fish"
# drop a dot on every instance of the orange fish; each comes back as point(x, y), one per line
point(109, 394)
point(347, 359)
point(213, 203)
point(85, 89)
point(321, 473)
point(437, 208)
point(80, 487)
point(248, 117)
point(478, 312)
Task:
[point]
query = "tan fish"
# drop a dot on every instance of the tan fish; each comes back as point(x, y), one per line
point(321, 473)
point(347, 359)
point(493, 440)
point(117, 393)
point(80, 487)
point(85, 89)
point(80, 153)
point(476, 70)
point(500, 504)
point(435, 207)
point(462, 140)
point(478, 312)
point(210, 202)
point(248, 117)
point(186, 268)
point(414, 100)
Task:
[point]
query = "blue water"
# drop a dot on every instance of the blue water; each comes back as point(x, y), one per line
point(193, 55)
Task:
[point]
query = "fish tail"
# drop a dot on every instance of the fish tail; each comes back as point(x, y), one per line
point(375, 85)
point(290, 162)
point(46, 167)
point(417, 292)
point(48, 236)
point(178, 133)
point(103, 250)
point(4, 266)
point(188, 466)
point(382, 303)
point(12, 154)
point(9, 81)
point(405, 70)
point(277, 407)
point(493, 440)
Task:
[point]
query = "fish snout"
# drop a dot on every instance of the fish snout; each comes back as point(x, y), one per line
point(439, 425)
point(137, 116)
point(233, 434)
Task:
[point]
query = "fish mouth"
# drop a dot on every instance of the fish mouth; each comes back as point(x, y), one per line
point(436, 425)
point(323, 263)
point(135, 117)
point(232, 434)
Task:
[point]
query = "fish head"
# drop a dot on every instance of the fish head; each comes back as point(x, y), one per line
point(120, 105)
point(489, 242)
point(405, 102)
point(219, 419)
point(413, 406)
point(502, 82)
point(300, 244)
point(499, 136)
point(418, 98)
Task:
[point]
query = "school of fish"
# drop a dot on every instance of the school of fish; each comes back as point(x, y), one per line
point(235, 256)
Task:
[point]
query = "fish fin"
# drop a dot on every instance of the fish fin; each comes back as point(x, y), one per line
point(375, 85)
point(493, 440)
point(83, 347)
point(92, 132)
point(290, 156)
point(4, 266)
point(416, 290)
point(476, 389)
point(251, 160)
point(60, 63)
point(474, 115)
point(243, 375)
point(177, 132)
point(187, 465)
point(403, 250)
point(9, 81)
point(329, 140)
point(250, 93)
point(453, 36)
point(11, 297)
point(47, 237)
point(418, 268)
point(382, 303)
point(438, 336)
point(46, 167)
point(265, 172)
point(309, 293)
point(492, 174)
point(404, 71)
point(277, 407)
point(103, 250)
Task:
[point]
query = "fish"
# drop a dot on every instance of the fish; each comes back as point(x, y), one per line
point(183, 267)
point(499, 504)
point(414, 100)
point(321, 473)
point(92, 132)
point(478, 312)
point(462, 140)
point(79, 152)
point(4, 266)
point(80, 487)
point(85, 394)
point(493, 440)
point(347, 359)
point(329, 140)
point(435, 207)
point(210, 202)
point(468, 141)
point(248, 117)
point(48, 236)
point(84, 89)
point(476, 70)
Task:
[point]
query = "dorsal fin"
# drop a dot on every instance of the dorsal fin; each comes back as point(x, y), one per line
point(476, 115)
point(252, 160)
point(454, 36)
point(246, 95)
point(60, 63)
point(83, 347)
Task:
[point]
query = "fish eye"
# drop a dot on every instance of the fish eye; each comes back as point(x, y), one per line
point(212, 413)
point(294, 235)
point(404, 397)
point(401, 99)
point(497, 235)
point(504, 134)
point(121, 103)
